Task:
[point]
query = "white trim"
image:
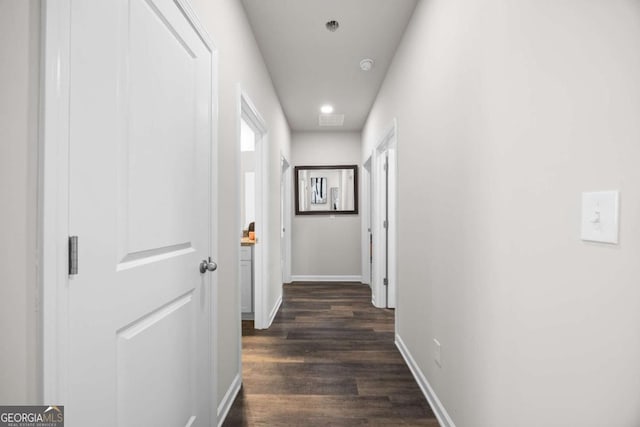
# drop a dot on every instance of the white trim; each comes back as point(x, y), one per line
point(239, 223)
point(215, 206)
point(239, 226)
point(53, 198)
point(192, 17)
point(274, 311)
point(309, 278)
point(438, 409)
point(228, 399)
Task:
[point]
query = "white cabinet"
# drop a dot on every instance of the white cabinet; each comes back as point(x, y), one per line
point(246, 279)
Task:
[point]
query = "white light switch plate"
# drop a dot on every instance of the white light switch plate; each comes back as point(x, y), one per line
point(600, 216)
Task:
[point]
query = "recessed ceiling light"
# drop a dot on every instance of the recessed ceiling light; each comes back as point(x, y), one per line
point(326, 109)
point(332, 25)
point(366, 64)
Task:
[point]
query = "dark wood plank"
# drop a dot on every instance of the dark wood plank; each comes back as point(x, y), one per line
point(328, 360)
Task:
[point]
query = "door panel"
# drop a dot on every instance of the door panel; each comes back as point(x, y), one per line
point(140, 201)
point(151, 348)
point(161, 140)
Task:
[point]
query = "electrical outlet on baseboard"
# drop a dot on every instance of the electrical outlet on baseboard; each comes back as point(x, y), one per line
point(436, 352)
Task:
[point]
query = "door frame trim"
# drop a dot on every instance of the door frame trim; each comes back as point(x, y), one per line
point(53, 199)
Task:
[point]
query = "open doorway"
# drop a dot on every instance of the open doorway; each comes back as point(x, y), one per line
point(252, 142)
point(247, 217)
point(367, 232)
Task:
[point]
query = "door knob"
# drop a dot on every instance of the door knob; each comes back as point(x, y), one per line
point(208, 265)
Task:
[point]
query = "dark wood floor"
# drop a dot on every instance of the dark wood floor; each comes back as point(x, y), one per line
point(328, 360)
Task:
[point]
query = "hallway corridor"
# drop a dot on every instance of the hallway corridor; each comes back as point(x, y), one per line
point(328, 359)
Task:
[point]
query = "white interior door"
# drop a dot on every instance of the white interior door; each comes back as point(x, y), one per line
point(366, 211)
point(140, 174)
point(392, 280)
point(385, 226)
point(285, 215)
point(384, 219)
point(385, 250)
point(379, 232)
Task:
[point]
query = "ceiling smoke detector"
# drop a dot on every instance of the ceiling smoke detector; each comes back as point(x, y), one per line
point(366, 64)
point(332, 25)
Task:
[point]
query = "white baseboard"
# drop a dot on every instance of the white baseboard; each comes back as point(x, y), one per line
point(229, 397)
point(274, 311)
point(441, 413)
point(301, 278)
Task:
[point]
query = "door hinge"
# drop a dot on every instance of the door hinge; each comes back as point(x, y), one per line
point(384, 223)
point(385, 281)
point(73, 255)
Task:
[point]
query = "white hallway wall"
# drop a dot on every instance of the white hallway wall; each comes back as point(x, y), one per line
point(322, 245)
point(19, 86)
point(507, 111)
point(240, 62)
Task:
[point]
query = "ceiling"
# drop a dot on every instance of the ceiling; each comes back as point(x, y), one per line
point(311, 66)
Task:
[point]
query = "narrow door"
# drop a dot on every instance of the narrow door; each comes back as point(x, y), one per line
point(140, 312)
point(391, 230)
point(284, 214)
point(386, 228)
point(283, 230)
point(370, 225)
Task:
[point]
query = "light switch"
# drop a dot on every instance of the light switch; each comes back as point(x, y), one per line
point(600, 216)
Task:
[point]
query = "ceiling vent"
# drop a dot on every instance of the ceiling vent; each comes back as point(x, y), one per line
point(331, 119)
